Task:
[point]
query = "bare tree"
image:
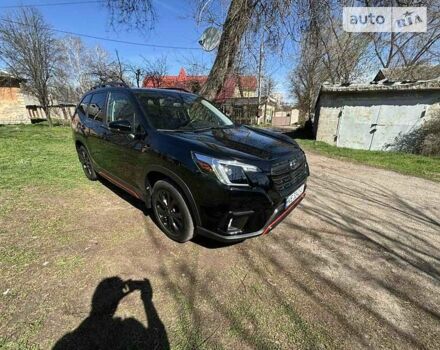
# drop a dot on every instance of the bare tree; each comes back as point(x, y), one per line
point(103, 68)
point(330, 54)
point(406, 49)
point(271, 22)
point(327, 53)
point(136, 14)
point(82, 67)
point(29, 50)
point(136, 73)
point(121, 69)
point(257, 21)
point(195, 65)
point(269, 86)
point(73, 78)
point(155, 70)
point(272, 16)
point(237, 22)
point(308, 75)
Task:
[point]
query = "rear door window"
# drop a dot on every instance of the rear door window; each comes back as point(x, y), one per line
point(96, 109)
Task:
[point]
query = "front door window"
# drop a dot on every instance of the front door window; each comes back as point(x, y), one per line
point(121, 108)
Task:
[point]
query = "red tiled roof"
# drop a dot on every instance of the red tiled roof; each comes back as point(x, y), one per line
point(185, 81)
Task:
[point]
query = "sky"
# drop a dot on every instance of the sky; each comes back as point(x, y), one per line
point(175, 26)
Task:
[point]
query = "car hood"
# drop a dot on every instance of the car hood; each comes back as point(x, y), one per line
point(242, 142)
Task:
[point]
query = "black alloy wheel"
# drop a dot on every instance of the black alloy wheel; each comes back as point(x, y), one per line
point(171, 212)
point(86, 163)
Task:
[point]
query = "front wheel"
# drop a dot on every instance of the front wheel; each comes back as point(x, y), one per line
point(171, 212)
point(86, 163)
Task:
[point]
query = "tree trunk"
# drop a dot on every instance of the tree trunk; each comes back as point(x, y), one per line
point(265, 111)
point(236, 23)
point(48, 117)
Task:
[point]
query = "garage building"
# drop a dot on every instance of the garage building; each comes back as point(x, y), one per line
point(371, 116)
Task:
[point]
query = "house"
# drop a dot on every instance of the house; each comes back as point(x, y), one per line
point(12, 100)
point(371, 116)
point(238, 98)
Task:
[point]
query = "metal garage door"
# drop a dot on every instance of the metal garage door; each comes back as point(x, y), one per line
point(374, 127)
point(355, 125)
point(395, 120)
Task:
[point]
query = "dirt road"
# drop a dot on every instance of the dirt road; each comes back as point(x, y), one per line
point(368, 241)
point(356, 265)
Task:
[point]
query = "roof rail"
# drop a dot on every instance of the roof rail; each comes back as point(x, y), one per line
point(110, 84)
point(176, 88)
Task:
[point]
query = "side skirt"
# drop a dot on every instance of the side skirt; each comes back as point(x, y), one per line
point(121, 184)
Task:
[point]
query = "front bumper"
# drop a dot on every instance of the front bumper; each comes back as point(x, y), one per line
point(278, 215)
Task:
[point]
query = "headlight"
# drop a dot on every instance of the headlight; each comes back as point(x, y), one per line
point(229, 172)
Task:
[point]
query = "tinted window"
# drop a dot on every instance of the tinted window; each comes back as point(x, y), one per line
point(121, 108)
point(175, 111)
point(82, 107)
point(96, 108)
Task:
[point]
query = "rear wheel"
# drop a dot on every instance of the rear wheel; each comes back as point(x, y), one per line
point(171, 212)
point(86, 163)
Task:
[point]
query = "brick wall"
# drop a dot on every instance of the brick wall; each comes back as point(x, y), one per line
point(13, 106)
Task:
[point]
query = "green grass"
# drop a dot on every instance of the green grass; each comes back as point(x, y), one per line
point(408, 164)
point(32, 155)
point(67, 264)
point(20, 344)
point(17, 256)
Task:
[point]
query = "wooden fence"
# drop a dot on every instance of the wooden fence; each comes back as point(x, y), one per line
point(60, 111)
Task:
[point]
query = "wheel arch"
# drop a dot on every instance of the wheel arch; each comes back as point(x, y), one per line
point(157, 173)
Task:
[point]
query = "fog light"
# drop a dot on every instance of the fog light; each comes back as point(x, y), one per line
point(237, 221)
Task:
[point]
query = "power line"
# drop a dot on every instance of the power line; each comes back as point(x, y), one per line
point(112, 40)
point(53, 4)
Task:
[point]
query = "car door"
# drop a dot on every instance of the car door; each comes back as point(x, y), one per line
point(96, 128)
point(126, 147)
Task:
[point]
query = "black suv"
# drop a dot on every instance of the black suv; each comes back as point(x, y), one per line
point(199, 172)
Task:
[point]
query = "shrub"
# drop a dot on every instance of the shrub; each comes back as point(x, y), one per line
point(424, 140)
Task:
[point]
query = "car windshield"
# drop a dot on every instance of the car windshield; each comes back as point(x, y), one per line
point(180, 111)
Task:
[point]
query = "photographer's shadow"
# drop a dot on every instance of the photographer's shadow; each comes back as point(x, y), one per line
point(102, 330)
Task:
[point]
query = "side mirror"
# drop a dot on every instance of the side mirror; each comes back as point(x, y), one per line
point(120, 125)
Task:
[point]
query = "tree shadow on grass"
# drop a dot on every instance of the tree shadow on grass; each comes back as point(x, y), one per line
point(102, 330)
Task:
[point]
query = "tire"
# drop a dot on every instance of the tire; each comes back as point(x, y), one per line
point(86, 163)
point(171, 212)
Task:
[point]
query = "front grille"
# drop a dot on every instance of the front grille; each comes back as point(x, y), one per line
point(286, 179)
